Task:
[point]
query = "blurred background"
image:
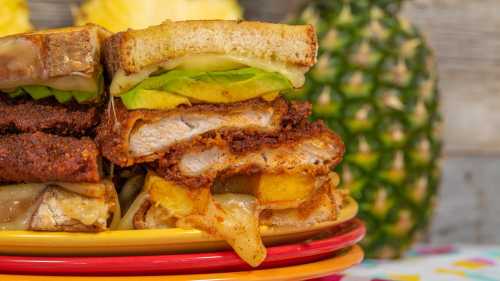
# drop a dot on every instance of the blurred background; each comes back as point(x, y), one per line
point(464, 37)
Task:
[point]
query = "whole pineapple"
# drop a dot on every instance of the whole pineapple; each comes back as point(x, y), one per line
point(375, 84)
point(391, 6)
point(14, 17)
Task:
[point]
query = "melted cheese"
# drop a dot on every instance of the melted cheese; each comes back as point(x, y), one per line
point(235, 218)
point(233, 211)
point(17, 205)
point(96, 190)
point(123, 82)
point(127, 221)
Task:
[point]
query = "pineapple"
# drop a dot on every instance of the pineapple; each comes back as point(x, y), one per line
point(391, 6)
point(14, 17)
point(375, 85)
point(119, 15)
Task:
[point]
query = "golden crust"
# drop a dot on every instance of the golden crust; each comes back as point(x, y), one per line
point(238, 145)
point(134, 50)
point(117, 123)
point(41, 157)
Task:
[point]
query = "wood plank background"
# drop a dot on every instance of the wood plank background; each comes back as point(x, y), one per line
point(466, 36)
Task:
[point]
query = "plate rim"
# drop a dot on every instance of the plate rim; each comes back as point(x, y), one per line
point(326, 267)
point(347, 235)
point(149, 237)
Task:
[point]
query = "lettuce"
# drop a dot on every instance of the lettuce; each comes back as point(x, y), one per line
point(42, 92)
point(209, 87)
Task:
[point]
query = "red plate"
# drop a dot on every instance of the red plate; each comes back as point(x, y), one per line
point(337, 238)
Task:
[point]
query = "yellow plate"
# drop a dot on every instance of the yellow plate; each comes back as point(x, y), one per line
point(151, 241)
point(323, 268)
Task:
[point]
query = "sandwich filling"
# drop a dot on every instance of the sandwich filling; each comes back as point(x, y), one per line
point(127, 137)
point(173, 88)
point(25, 115)
point(38, 92)
point(236, 208)
point(237, 73)
point(311, 148)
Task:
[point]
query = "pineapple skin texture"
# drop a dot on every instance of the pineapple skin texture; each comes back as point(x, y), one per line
point(376, 85)
point(14, 17)
point(390, 6)
point(120, 15)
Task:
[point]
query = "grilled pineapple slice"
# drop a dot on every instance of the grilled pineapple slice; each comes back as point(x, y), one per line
point(178, 200)
point(274, 191)
point(119, 15)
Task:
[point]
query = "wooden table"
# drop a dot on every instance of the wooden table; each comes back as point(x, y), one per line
point(466, 36)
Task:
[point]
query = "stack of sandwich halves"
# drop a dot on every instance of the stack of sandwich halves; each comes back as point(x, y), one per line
point(195, 108)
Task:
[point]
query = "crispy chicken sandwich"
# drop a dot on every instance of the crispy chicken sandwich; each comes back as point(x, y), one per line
point(200, 105)
point(51, 84)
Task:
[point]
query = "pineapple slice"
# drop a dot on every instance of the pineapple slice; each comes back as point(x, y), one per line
point(14, 17)
point(233, 217)
point(119, 15)
point(274, 191)
point(178, 200)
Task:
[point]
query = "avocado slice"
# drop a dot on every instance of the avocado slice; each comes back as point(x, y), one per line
point(41, 92)
point(211, 87)
point(228, 86)
point(38, 92)
point(151, 99)
point(62, 96)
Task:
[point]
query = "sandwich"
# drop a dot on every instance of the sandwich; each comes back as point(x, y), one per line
point(200, 105)
point(51, 88)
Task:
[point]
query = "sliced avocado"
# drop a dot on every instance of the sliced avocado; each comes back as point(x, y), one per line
point(217, 86)
point(62, 96)
point(38, 92)
point(83, 97)
point(151, 99)
point(41, 92)
point(228, 86)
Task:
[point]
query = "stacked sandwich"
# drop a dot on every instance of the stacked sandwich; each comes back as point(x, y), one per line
point(52, 84)
point(199, 105)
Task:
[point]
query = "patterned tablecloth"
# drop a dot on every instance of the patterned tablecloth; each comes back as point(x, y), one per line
point(450, 263)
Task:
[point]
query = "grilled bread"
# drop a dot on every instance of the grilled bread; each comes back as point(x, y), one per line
point(66, 59)
point(133, 55)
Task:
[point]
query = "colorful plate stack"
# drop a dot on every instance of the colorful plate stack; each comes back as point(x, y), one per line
point(329, 250)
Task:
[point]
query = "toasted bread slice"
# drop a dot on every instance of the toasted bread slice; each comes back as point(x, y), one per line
point(65, 59)
point(255, 43)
